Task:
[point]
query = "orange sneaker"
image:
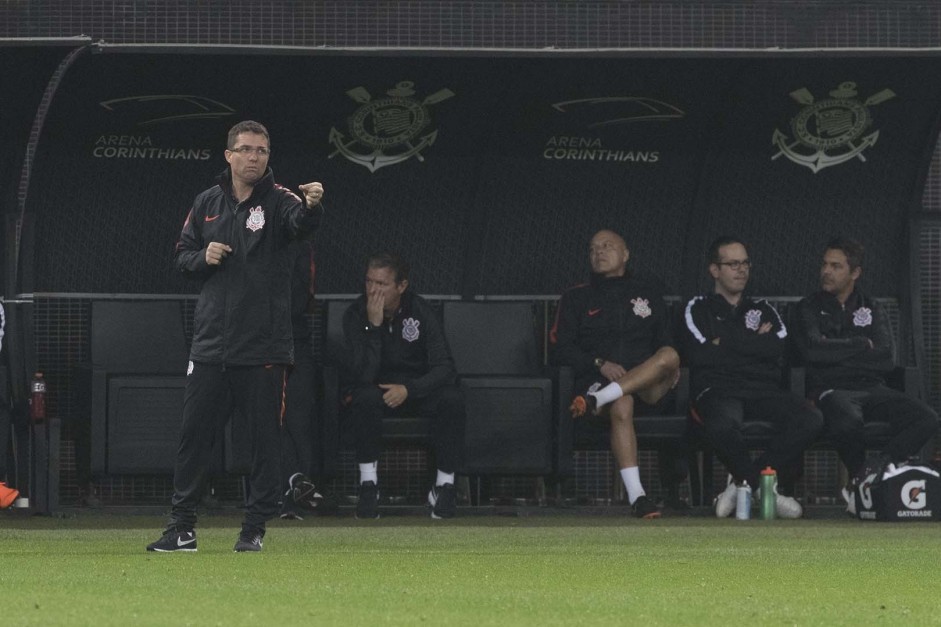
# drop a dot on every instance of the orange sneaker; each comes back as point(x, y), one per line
point(582, 405)
point(7, 496)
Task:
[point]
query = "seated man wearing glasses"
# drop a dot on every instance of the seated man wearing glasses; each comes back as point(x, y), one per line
point(235, 243)
point(734, 346)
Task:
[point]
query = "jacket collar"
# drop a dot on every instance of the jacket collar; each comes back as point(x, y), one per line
point(854, 302)
point(264, 184)
point(608, 282)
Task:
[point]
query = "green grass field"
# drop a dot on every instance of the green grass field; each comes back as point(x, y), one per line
point(558, 570)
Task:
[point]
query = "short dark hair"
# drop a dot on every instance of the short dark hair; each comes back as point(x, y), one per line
point(853, 249)
point(392, 261)
point(712, 254)
point(246, 126)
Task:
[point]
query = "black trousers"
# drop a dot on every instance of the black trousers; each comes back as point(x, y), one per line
point(445, 406)
point(796, 424)
point(846, 411)
point(210, 396)
point(4, 422)
point(300, 426)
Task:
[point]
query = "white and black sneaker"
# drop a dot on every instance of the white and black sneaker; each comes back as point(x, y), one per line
point(175, 540)
point(726, 501)
point(442, 499)
point(249, 540)
point(304, 493)
point(787, 506)
point(849, 495)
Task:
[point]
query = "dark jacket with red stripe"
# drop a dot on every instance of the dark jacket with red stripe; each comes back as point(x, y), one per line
point(744, 359)
point(243, 315)
point(410, 349)
point(847, 346)
point(619, 319)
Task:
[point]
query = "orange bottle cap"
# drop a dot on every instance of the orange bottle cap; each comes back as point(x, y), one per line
point(768, 471)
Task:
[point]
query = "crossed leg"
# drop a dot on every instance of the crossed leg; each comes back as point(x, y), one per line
point(650, 380)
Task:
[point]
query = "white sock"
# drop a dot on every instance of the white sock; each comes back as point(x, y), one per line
point(368, 472)
point(444, 477)
point(608, 394)
point(631, 478)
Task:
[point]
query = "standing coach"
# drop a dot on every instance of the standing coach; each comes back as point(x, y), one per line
point(235, 240)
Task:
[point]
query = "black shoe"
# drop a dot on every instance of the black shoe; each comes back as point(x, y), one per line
point(249, 540)
point(645, 508)
point(368, 506)
point(183, 541)
point(443, 501)
point(289, 510)
point(304, 493)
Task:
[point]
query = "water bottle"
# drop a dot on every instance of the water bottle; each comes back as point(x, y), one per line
point(743, 501)
point(769, 495)
point(37, 398)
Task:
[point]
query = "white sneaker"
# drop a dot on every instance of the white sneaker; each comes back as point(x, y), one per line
point(850, 497)
point(788, 506)
point(725, 502)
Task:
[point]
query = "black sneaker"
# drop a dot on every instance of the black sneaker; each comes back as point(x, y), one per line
point(289, 510)
point(174, 540)
point(304, 493)
point(645, 508)
point(443, 501)
point(249, 540)
point(368, 506)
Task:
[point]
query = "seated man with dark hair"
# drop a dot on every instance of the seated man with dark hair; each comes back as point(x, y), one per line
point(613, 332)
point(399, 361)
point(848, 348)
point(735, 348)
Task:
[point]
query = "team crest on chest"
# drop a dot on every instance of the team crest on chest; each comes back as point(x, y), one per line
point(862, 317)
point(256, 219)
point(641, 307)
point(410, 329)
point(753, 319)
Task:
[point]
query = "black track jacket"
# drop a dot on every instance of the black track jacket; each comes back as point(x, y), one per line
point(410, 349)
point(243, 315)
point(619, 319)
point(743, 359)
point(834, 341)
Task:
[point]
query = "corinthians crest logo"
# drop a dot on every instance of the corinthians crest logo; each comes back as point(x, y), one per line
point(389, 130)
point(830, 131)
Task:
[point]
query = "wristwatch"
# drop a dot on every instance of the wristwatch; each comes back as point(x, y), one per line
point(599, 362)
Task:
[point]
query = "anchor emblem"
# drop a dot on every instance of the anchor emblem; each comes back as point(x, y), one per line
point(831, 128)
point(387, 127)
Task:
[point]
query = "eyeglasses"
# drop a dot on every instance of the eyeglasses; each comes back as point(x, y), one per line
point(261, 151)
point(736, 265)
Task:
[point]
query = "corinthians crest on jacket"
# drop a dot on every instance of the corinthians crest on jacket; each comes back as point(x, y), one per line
point(389, 130)
point(830, 131)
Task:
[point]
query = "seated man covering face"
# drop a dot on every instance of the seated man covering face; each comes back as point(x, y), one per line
point(399, 362)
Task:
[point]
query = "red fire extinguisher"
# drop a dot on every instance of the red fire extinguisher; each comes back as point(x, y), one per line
point(37, 398)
